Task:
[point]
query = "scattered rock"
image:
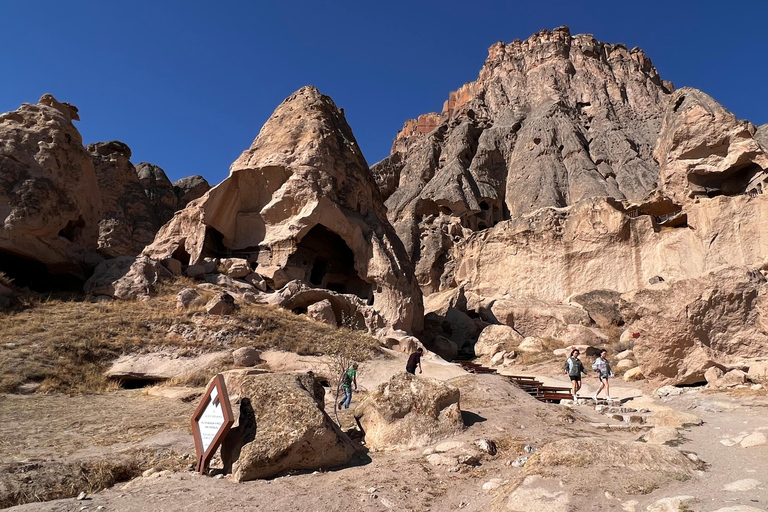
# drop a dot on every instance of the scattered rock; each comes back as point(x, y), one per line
point(731, 379)
point(440, 459)
point(633, 374)
point(187, 298)
point(235, 267)
point(493, 484)
point(713, 374)
point(221, 304)
point(195, 271)
point(754, 439)
point(672, 418)
point(673, 504)
point(625, 364)
point(245, 356)
point(661, 435)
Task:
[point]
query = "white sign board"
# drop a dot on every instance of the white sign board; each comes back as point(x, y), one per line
point(211, 421)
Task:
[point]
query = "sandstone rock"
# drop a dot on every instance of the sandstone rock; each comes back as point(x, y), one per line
point(533, 495)
point(126, 225)
point(282, 426)
point(274, 276)
point(625, 364)
point(440, 459)
point(496, 148)
point(445, 348)
point(173, 265)
point(187, 298)
point(758, 370)
point(190, 188)
point(696, 324)
point(221, 304)
point(626, 354)
point(582, 335)
point(126, 277)
point(746, 484)
point(245, 356)
point(754, 439)
point(712, 374)
point(257, 281)
point(496, 338)
point(704, 150)
point(302, 198)
point(399, 340)
point(235, 267)
point(537, 318)
point(661, 435)
point(409, 411)
point(672, 418)
point(322, 312)
point(601, 305)
point(731, 379)
point(673, 504)
point(195, 271)
point(164, 365)
point(531, 344)
point(160, 192)
point(633, 374)
point(50, 205)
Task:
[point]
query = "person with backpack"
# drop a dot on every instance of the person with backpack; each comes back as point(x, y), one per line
point(348, 378)
point(574, 368)
point(603, 369)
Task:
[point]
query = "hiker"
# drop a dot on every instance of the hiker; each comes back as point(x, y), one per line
point(348, 378)
point(574, 369)
point(603, 369)
point(413, 361)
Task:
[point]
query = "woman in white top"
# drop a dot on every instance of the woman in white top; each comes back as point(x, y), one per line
point(603, 369)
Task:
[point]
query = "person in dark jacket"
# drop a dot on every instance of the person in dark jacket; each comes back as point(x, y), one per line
point(574, 369)
point(413, 361)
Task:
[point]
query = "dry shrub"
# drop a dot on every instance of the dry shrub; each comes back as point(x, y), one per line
point(67, 343)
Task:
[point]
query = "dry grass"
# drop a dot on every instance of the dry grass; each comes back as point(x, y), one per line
point(66, 343)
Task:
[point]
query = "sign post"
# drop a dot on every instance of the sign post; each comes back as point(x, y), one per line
point(211, 421)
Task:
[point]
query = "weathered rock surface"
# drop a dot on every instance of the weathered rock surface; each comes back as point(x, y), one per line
point(127, 224)
point(222, 304)
point(322, 312)
point(49, 196)
point(188, 297)
point(190, 188)
point(282, 426)
point(497, 338)
point(549, 121)
point(164, 365)
point(689, 326)
point(409, 411)
point(303, 199)
point(126, 277)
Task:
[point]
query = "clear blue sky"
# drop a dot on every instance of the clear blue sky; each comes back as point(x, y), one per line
point(188, 84)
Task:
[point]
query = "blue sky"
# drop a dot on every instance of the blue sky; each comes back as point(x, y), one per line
point(188, 84)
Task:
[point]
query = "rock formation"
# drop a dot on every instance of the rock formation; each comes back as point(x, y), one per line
point(549, 121)
point(282, 426)
point(49, 196)
point(409, 411)
point(301, 204)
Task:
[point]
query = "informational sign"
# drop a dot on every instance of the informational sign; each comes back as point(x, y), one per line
point(211, 421)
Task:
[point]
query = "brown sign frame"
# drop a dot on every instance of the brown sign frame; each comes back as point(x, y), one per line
point(204, 457)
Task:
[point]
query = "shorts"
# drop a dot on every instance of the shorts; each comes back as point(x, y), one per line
point(576, 378)
point(604, 377)
point(412, 371)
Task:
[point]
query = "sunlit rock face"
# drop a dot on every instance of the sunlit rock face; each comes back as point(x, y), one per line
point(302, 200)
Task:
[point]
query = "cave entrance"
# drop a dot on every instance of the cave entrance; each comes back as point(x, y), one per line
point(328, 262)
point(36, 276)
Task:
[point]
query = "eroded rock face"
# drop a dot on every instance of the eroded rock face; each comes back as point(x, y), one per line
point(302, 199)
point(49, 196)
point(550, 121)
point(692, 325)
point(126, 224)
point(282, 427)
point(409, 411)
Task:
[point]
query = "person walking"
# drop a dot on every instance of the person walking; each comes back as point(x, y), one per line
point(413, 361)
point(574, 368)
point(604, 372)
point(347, 380)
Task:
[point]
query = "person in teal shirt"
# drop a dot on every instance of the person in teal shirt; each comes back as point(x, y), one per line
point(349, 378)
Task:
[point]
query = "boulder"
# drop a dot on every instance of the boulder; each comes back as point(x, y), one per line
point(633, 374)
point(257, 281)
point(625, 364)
point(758, 370)
point(712, 375)
point(672, 418)
point(409, 411)
point(173, 265)
point(164, 365)
point(160, 192)
point(445, 348)
point(302, 199)
point(190, 188)
point(731, 379)
point(235, 267)
point(576, 334)
point(187, 298)
point(695, 324)
point(399, 340)
point(602, 306)
point(496, 338)
point(531, 317)
point(245, 356)
point(282, 426)
point(661, 435)
point(626, 354)
point(221, 304)
point(195, 271)
point(126, 277)
point(531, 344)
point(322, 311)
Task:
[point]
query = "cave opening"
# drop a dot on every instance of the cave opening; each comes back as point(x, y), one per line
point(328, 262)
point(36, 275)
point(735, 183)
point(73, 229)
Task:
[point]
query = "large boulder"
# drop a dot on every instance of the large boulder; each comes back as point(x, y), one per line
point(190, 188)
point(497, 338)
point(50, 203)
point(127, 278)
point(302, 198)
point(692, 325)
point(282, 426)
point(409, 411)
